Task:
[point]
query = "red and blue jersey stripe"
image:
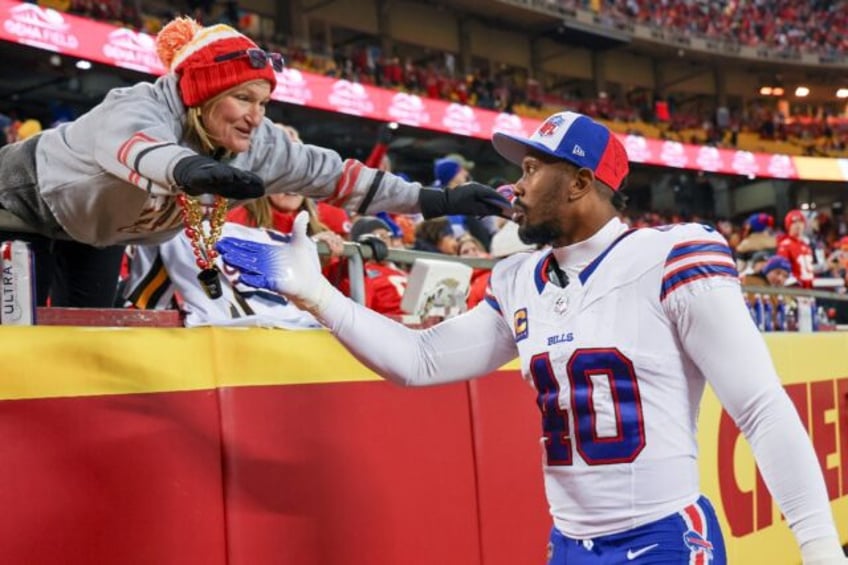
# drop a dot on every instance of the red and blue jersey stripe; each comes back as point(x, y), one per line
point(690, 261)
point(491, 300)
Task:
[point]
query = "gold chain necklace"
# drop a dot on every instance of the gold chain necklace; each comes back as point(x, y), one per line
point(203, 243)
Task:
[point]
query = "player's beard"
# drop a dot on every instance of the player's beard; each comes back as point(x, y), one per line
point(539, 234)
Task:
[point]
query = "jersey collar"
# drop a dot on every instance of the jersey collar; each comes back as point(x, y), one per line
point(581, 259)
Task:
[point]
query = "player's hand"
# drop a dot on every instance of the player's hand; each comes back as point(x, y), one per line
point(823, 551)
point(199, 174)
point(470, 199)
point(832, 560)
point(291, 269)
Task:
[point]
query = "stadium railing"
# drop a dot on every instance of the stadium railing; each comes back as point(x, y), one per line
point(356, 255)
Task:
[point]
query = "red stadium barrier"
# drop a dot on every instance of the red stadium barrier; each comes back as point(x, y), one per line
point(108, 317)
point(250, 446)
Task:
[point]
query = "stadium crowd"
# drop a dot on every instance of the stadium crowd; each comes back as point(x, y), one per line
point(223, 228)
point(755, 239)
point(791, 26)
point(788, 25)
point(761, 245)
point(827, 237)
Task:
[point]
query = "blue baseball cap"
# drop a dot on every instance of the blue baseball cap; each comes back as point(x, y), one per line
point(760, 221)
point(444, 170)
point(393, 226)
point(575, 138)
point(777, 262)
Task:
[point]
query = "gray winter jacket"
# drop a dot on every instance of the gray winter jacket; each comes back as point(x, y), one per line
point(107, 178)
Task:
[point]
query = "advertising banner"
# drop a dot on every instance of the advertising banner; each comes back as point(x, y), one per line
point(67, 34)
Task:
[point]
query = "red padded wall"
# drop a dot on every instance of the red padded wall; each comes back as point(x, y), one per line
point(124, 479)
point(104, 461)
point(359, 473)
point(363, 473)
point(514, 519)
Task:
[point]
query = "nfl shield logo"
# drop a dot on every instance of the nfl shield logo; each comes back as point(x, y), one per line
point(550, 126)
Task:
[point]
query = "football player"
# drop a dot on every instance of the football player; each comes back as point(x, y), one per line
point(619, 330)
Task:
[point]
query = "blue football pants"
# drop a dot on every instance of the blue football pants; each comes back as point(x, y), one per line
point(689, 537)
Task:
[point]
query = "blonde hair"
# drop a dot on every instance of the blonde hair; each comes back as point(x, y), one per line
point(468, 238)
point(196, 132)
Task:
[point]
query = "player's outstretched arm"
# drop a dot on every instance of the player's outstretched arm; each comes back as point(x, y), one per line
point(476, 343)
point(717, 333)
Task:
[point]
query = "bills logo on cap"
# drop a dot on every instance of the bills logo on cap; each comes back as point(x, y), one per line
point(550, 126)
point(571, 137)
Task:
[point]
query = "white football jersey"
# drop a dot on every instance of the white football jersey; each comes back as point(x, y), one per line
point(618, 395)
point(157, 272)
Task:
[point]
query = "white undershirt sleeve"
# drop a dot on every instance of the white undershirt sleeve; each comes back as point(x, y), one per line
point(721, 339)
point(470, 345)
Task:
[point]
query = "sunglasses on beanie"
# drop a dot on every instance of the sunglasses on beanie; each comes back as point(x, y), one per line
point(256, 57)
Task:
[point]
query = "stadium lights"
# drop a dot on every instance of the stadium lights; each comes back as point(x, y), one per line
point(842, 93)
point(802, 91)
point(83, 65)
point(767, 90)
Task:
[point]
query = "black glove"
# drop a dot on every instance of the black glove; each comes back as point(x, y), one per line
point(469, 199)
point(198, 174)
point(379, 249)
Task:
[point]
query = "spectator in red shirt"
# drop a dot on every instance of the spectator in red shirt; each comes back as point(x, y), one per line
point(795, 248)
point(385, 283)
point(470, 246)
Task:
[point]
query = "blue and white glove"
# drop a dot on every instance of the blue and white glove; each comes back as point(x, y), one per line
point(291, 269)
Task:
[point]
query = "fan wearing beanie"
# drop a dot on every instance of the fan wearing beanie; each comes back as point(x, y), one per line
point(155, 158)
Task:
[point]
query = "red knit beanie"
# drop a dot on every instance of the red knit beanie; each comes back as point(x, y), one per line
point(189, 50)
